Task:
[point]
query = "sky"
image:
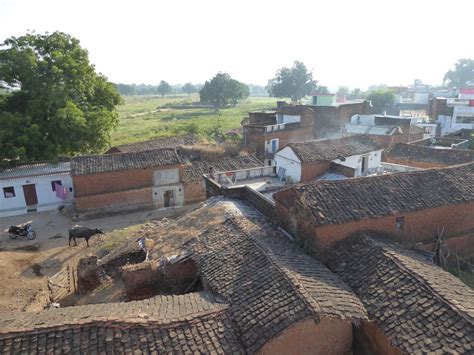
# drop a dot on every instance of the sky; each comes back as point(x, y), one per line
point(354, 43)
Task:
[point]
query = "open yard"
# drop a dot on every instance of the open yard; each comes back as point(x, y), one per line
point(147, 117)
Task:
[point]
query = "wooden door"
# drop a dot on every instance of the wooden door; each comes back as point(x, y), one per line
point(168, 198)
point(30, 194)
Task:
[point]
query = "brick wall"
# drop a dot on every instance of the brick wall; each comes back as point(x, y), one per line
point(342, 169)
point(420, 226)
point(415, 163)
point(115, 201)
point(309, 171)
point(284, 137)
point(194, 192)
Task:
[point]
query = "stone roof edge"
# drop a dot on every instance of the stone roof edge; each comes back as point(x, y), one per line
point(117, 322)
point(393, 256)
point(296, 285)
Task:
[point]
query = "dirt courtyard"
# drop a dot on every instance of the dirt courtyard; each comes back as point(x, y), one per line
point(25, 264)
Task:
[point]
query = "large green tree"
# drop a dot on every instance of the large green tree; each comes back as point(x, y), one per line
point(164, 88)
point(382, 99)
point(462, 75)
point(189, 88)
point(222, 90)
point(57, 103)
point(295, 82)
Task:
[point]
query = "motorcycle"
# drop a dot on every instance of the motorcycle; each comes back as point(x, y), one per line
point(26, 231)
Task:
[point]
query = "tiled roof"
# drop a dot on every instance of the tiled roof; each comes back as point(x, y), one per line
point(158, 143)
point(330, 149)
point(336, 202)
point(36, 169)
point(267, 280)
point(94, 164)
point(195, 171)
point(419, 306)
point(405, 151)
point(165, 324)
point(372, 129)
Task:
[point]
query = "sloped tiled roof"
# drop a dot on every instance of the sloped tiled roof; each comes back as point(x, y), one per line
point(267, 280)
point(420, 153)
point(330, 149)
point(94, 164)
point(419, 306)
point(158, 143)
point(195, 171)
point(335, 202)
point(36, 169)
point(165, 324)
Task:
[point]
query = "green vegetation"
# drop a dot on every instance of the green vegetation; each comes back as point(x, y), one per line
point(382, 99)
point(147, 117)
point(462, 75)
point(222, 91)
point(61, 106)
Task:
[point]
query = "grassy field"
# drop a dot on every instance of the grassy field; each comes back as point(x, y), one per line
point(147, 117)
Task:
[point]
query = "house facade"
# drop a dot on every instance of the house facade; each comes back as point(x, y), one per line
point(300, 162)
point(454, 114)
point(127, 181)
point(410, 207)
point(35, 187)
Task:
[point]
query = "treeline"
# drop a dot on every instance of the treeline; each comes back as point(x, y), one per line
point(188, 88)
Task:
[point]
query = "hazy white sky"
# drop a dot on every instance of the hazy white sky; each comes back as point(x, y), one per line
point(345, 42)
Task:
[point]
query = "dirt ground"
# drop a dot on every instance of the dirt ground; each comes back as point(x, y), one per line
point(25, 265)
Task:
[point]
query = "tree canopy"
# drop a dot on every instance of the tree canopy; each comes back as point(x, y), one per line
point(189, 88)
point(382, 99)
point(222, 90)
point(295, 82)
point(164, 88)
point(462, 75)
point(57, 103)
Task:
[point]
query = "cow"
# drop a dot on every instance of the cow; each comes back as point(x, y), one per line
point(83, 232)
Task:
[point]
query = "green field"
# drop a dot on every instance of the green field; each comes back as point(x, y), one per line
point(138, 123)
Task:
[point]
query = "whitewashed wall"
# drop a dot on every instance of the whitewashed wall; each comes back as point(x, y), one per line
point(287, 160)
point(165, 177)
point(47, 199)
point(159, 192)
point(355, 161)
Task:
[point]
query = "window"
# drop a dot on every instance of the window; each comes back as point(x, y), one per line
point(400, 223)
point(53, 184)
point(9, 192)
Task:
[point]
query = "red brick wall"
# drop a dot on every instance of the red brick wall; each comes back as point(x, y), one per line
point(116, 201)
point(416, 164)
point(309, 171)
point(463, 244)
point(420, 226)
point(194, 192)
point(284, 137)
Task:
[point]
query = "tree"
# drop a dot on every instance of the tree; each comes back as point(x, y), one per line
point(355, 94)
point(382, 99)
point(60, 105)
point(164, 88)
point(189, 88)
point(342, 91)
point(462, 75)
point(322, 90)
point(295, 82)
point(222, 90)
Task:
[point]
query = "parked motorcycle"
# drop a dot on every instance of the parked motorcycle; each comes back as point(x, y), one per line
point(26, 231)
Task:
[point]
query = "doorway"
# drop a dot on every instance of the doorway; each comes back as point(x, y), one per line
point(168, 198)
point(365, 166)
point(31, 198)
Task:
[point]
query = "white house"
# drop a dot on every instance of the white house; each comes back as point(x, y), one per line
point(35, 187)
point(307, 160)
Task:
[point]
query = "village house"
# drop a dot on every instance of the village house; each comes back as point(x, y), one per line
point(349, 156)
point(127, 181)
point(453, 114)
point(413, 305)
point(426, 157)
point(35, 187)
point(157, 143)
point(386, 130)
point(412, 207)
point(260, 294)
point(192, 174)
point(269, 131)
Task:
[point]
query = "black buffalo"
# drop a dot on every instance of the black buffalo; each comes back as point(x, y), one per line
point(83, 232)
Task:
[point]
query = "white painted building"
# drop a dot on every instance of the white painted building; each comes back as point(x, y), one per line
point(35, 187)
point(355, 152)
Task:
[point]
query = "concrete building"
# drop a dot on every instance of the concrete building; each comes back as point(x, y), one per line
point(426, 157)
point(127, 181)
point(410, 207)
point(352, 156)
point(453, 114)
point(35, 187)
